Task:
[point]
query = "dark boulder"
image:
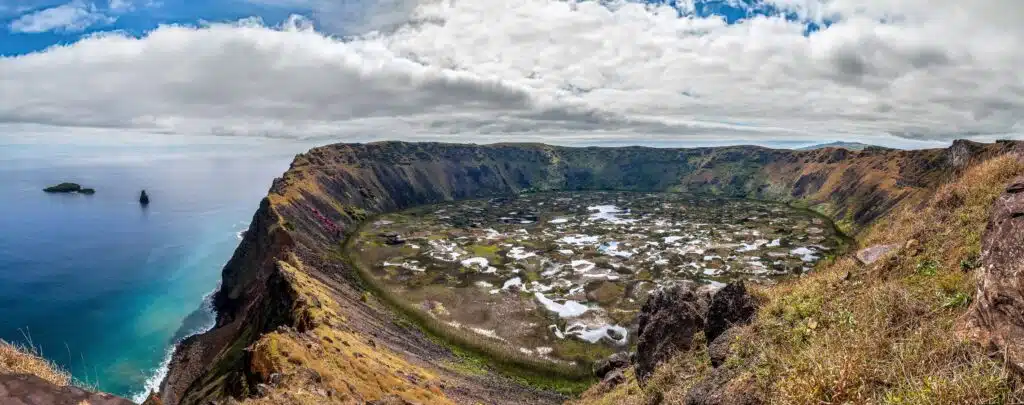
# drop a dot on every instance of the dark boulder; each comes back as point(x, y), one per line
point(667, 323)
point(393, 239)
point(611, 363)
point(995, 318)
point(614, 378)
point(729, 306)
point(143, 198)
point(720, 348)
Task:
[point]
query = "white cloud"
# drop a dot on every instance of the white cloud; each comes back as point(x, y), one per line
point(76, 16)
point(553, 71)
point(120, 5)
point(353, 17)
point(125, 6)
point(23, 6)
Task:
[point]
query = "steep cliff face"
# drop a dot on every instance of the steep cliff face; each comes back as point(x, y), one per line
point(285, 287)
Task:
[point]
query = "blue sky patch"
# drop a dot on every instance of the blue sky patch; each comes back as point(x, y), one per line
point(20, 33)
point(32, 25)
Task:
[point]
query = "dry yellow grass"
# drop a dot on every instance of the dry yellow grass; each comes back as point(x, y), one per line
point(17, 359)
point(880, 334)
point(324, 362)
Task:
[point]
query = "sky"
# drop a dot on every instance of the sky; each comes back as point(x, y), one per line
point(663, 72)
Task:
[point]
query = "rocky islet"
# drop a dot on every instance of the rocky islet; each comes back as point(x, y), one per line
point(70, 188)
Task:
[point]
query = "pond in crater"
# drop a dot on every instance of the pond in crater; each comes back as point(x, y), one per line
point(562, 275)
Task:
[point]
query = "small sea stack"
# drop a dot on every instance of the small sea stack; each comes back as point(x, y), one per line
point(144, 198)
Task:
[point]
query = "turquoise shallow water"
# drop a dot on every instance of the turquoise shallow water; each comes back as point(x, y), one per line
point(101, 285)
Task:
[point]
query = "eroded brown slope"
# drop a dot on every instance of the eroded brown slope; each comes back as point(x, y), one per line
point(294, 326)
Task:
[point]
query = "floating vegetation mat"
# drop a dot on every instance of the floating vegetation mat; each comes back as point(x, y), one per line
point(561, 276)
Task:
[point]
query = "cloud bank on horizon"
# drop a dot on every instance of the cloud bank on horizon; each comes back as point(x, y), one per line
point(531, 70)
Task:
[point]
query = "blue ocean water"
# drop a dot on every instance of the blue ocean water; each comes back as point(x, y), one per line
point(102, 285)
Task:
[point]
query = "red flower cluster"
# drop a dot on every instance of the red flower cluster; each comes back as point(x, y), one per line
point(328, 225)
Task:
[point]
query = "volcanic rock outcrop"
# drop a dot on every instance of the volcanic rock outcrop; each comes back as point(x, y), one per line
point(668, 322)
point(729, 306)
point(997, 315)
point(671, 317)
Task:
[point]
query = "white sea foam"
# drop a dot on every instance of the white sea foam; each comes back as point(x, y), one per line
point(152, 383)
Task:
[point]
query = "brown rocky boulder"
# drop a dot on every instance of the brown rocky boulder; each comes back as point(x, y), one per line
point(667, 323)
point(729, 306)
point(611, 363)
point(995, 319)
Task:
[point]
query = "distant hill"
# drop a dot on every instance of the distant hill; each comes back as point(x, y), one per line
point(844, 145)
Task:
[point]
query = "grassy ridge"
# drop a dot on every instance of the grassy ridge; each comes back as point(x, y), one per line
point(16, 359)
point(478, 353)
point(886, 333)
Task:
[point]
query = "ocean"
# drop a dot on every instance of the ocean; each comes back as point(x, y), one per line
point(102, 285)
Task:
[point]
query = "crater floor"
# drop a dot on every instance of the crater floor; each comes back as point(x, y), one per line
point(562, 275)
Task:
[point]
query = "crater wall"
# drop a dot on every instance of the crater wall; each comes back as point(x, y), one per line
point(330, 189)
